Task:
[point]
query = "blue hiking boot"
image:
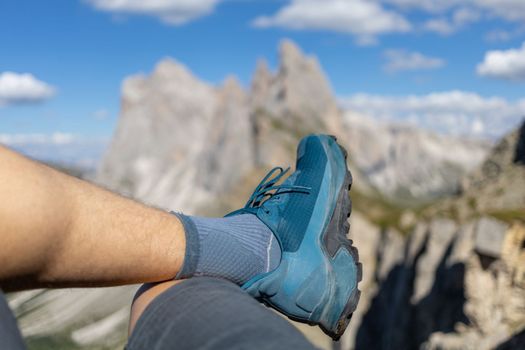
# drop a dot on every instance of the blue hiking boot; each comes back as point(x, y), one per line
point(316, 280)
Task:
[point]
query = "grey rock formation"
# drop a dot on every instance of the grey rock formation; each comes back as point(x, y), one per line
point(191, 143)
point(499, 183)
point(442, 293)
point(228, 151)
point(490, 235)
point(426, 266)
point(368, 238)
point(494, 303)
point(299, 91)
point(295, 101)
point(460, 284)
point(179, 141)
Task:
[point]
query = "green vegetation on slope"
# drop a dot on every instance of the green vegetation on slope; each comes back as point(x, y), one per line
point(509, 215)
point(384, 213)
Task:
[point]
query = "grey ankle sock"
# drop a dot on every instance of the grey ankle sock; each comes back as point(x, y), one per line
point(235, 248)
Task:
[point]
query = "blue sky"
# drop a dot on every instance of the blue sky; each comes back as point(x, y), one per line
point(81, 50)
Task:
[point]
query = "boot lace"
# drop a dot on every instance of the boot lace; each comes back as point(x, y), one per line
point(267, 189)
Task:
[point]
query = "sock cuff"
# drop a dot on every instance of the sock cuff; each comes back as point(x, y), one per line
point(191, 255)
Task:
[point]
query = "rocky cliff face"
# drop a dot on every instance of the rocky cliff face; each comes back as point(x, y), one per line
point(292, 103)
point(439, 288)
point(496, 187)
point(178, 136)
point(502, 170)
point(454, 282)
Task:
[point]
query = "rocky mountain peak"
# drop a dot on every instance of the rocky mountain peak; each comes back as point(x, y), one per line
point(260, 83)
point(510, 150)
point(499, 183)
point(299, 78)
point(295, 101)
point(232, 87)
point(262, 73)
point(169, 68)
point(291, 56)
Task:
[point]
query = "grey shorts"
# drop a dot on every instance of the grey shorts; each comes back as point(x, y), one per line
point(199, 313)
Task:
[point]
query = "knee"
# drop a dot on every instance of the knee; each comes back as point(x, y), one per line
point(143, 297)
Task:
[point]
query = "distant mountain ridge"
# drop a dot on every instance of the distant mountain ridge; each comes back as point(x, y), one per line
point(406, 163)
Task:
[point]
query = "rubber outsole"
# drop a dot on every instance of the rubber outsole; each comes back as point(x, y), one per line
point(335, 238)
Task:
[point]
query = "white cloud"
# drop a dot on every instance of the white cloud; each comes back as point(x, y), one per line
point(401, 60)
point(439, 25)
point(504, 64)
point(500, 35)
point(362, 18)
point(174, 12)
point(464, 15)
point(18, 88)
point(511, 10)
point(450, 112)
point(426, 5)
point(458, 20)
point(449, 16)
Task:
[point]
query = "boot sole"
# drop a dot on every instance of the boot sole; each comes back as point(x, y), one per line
point(335, 238)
